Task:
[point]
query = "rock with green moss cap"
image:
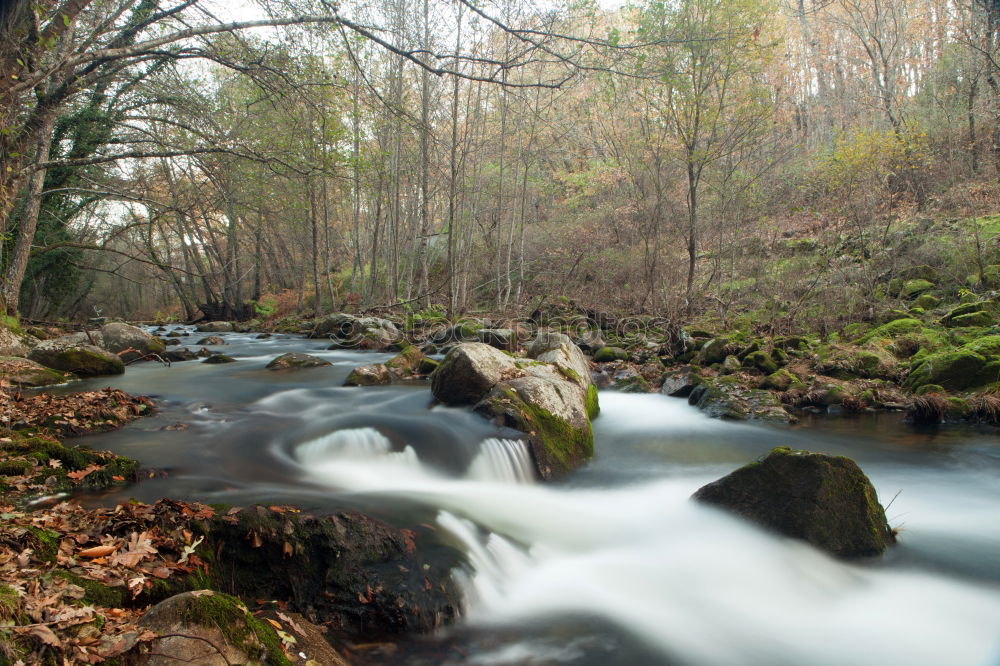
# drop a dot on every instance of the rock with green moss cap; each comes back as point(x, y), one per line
point(80, 359)
point(720, 398)
point(824, 500)
point(206, 627)
point(714, 351)
point(609, 354)
point(981, 318)
point(927, 302)
point(553, 413)
point(760, 360)
point(295, 361)
point(218, 359)
point(23, 372)
point(893, 329)
point(211, 340)
point(375, 374)
point(915, 287)
point(781, 380)
point(954, 370)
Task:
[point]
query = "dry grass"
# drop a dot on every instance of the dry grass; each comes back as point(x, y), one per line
point(929, 409)
point(985, 407)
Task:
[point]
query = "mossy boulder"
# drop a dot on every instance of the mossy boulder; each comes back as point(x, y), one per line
point(926, 302)
point(296, 360)
point(954, 370)
point(915, 287)
point(609, 354)
point(988, 345)
point(781, 380)
point(375, 374)
point(731, 364)
point(22, 372)
point(824, 500)
point(981, 318)
point(199, 625)
point(714, 351)
point(991, 276)
point(129, 342)
point(218, 359)
point(553, 412)
point(893, 329)
point(408, 363)
point(13, 342)
point(179, 355)
point(211, 340)
point(350, 332)
point(80, 359)
point(760, 360)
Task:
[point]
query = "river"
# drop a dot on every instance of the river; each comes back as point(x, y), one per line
point(615, 565)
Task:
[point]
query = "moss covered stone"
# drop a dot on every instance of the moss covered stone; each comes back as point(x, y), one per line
point(22, 372)
point(608, 354)
point(218, 359)
point(893, 329)
point(554, 414)
point(954, 370)
point(824, 500)
point(781, 380)
point(296, 360)
point(926, 302)
point(79, 359)
point(714, 351)
point(915, 287)
point(760, 360)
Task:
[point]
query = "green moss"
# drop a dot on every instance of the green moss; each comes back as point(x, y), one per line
point(219, 358)
point(45, 543)
point(929, 388)
point(972, 319)
point(986, 346)
point(782, 380)
point(608, 354)
point(14, 467)
point(9, 603)
point(239, 627)
point(894, 329)
point(762, 361)
point(95, 593)
point(593, 406)
point(926, 302)
point(954, 370)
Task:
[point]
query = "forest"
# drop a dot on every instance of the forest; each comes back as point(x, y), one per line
point(752, 158)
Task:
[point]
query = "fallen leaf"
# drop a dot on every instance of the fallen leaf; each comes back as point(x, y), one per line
point(97, 551)
point(45, 634)
point(81, 474)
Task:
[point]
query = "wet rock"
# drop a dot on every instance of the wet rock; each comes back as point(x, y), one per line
point(680, 383)
point(22, 372)
point(824, 500)
point(348, 569)
point(208, 629)
point(262, 336)
point(215, 327)
point(129, 342)
point(376, 374)
point(174, 334)
point(211, 340)
point(559, 350)
point(502, 338)
point(350, 332)
point(178, 355)
point(728, 400)
point(217, 359)
point(465, 331)
point(81, 359)
point(554, 414)
point(469, 371)
point(173, 342)
point(293, 360)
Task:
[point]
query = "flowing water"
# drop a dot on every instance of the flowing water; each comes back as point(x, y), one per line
point(615, 565)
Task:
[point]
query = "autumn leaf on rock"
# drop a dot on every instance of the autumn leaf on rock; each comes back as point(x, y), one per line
point(79, 475)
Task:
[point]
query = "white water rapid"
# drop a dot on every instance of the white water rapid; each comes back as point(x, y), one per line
point(700, 586)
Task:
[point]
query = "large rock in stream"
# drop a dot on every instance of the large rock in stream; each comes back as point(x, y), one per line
point(129, 342)
point(550, 398)
point(349, 570)
point(825, 500)
point(81, 359)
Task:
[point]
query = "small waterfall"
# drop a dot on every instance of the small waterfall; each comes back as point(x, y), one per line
point(354, 444)
point(503, 460)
